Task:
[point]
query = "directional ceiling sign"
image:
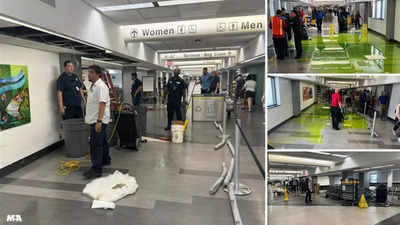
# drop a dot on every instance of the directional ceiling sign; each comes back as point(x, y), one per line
point(195, 28)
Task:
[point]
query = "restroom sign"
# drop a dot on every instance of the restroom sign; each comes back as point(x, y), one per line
point(195, 28)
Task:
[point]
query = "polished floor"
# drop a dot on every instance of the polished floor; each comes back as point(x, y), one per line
point(326, 211)
point(173, 179)
point(173, 189)
point(313, 130)
point(340, 53)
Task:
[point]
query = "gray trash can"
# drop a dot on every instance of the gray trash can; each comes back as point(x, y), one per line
point(76, 134)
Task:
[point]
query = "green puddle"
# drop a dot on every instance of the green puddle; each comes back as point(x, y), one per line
point(345, 53)
point(316, 118)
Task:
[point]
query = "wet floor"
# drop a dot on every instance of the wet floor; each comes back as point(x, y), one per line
point(352, 52)
point(313, 129)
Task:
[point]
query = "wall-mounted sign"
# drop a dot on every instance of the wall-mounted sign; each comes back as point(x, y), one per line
point(218, 26)
point(192, 55)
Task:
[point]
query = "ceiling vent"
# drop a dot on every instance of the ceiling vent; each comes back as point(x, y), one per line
point(51, 3)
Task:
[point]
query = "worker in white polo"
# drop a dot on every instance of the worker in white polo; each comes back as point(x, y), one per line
point(97, 116)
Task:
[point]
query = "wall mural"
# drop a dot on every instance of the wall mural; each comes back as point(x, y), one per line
point(307, 93)
point(14, 96)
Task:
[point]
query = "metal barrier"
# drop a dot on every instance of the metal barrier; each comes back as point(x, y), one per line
point(370, 122)
point(234, 187)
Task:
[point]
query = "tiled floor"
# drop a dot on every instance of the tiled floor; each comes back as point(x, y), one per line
point(173, 179)
point(325, 211)
point(313, 130)
point(340, 53)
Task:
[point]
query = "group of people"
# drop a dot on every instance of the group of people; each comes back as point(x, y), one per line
point(363, 101)
point(284, 26)
point(302, 185)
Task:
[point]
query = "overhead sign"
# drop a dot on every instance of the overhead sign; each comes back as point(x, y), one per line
point(218, 26)
point(195, 55)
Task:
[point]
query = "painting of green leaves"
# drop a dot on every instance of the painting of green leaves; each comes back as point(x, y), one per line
point(14, 96)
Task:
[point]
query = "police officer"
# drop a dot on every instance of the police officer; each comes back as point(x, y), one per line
point(176, 90)
point(136, 90)
point(70, 93)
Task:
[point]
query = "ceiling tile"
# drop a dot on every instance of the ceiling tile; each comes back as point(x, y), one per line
point(160, 12)
point(100, 3)
point(204, 10)
point(125, 17)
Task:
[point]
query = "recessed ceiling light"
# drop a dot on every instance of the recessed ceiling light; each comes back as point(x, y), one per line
point(126, 7)
point(184, 2)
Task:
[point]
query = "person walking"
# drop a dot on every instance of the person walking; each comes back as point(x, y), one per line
point(250, 87)
point(396, 121)
point(215, 83)
point(319, 16)
point(97, 116)
point(278, 26)
point(308, 186)
point(336, 104)
point(383, 101)
point(176, 97)
point(296, 25)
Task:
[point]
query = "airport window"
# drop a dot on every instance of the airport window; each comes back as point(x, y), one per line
point(378, 9)
point(273, 93)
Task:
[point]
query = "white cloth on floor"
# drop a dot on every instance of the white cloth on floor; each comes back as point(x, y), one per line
point(112, 187)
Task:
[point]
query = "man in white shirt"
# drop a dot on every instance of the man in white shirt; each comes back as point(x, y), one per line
point(97, 116)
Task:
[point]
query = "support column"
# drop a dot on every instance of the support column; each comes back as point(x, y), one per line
point(296, 97)
point(390, 179)
point(389, 18)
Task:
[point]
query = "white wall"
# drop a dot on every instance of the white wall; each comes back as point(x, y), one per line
point(43, 71)
point(74, 18)
point(377, 25)
point(397, 21)
point(305, 104)
point(283, 112)
point(394, 100)
point(255, 47)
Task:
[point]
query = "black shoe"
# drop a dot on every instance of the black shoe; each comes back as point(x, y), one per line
point(87, 172)
point(107, 163)
point(167, 128)
point(92, 174)
point(337, 128)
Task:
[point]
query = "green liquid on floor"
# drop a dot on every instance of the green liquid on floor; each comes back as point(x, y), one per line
point(345, 53)
point(318, 117)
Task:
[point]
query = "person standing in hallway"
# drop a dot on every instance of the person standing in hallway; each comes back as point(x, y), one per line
point(357, 19)
point(250, 87)
point(308, 186)
point(383, 101)
point(97, 116)
point(176, 90)
point(297, 25)
point(319, 16)
point(205, 81)
point(278, 26)
point(285, 17)
point(136, 90)
point(336, 104)
point(70, 93)
point(215, 83)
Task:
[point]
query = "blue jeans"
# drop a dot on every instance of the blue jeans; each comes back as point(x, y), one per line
point(99, 151)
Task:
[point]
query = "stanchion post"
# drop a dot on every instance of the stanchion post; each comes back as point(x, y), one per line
point(239, 189)
point(237, 155)
point(373, 125)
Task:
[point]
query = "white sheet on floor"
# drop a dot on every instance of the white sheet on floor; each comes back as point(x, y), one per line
point(112, 187)
point(102, 205)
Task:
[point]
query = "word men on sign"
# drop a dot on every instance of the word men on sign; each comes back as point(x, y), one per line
point(220, 26)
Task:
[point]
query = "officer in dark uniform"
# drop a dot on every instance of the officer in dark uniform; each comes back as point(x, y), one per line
point(176, 90)
point(136, 90)
point(70, 93)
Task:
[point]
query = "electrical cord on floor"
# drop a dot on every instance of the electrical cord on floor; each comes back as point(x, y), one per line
point(67, 167)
